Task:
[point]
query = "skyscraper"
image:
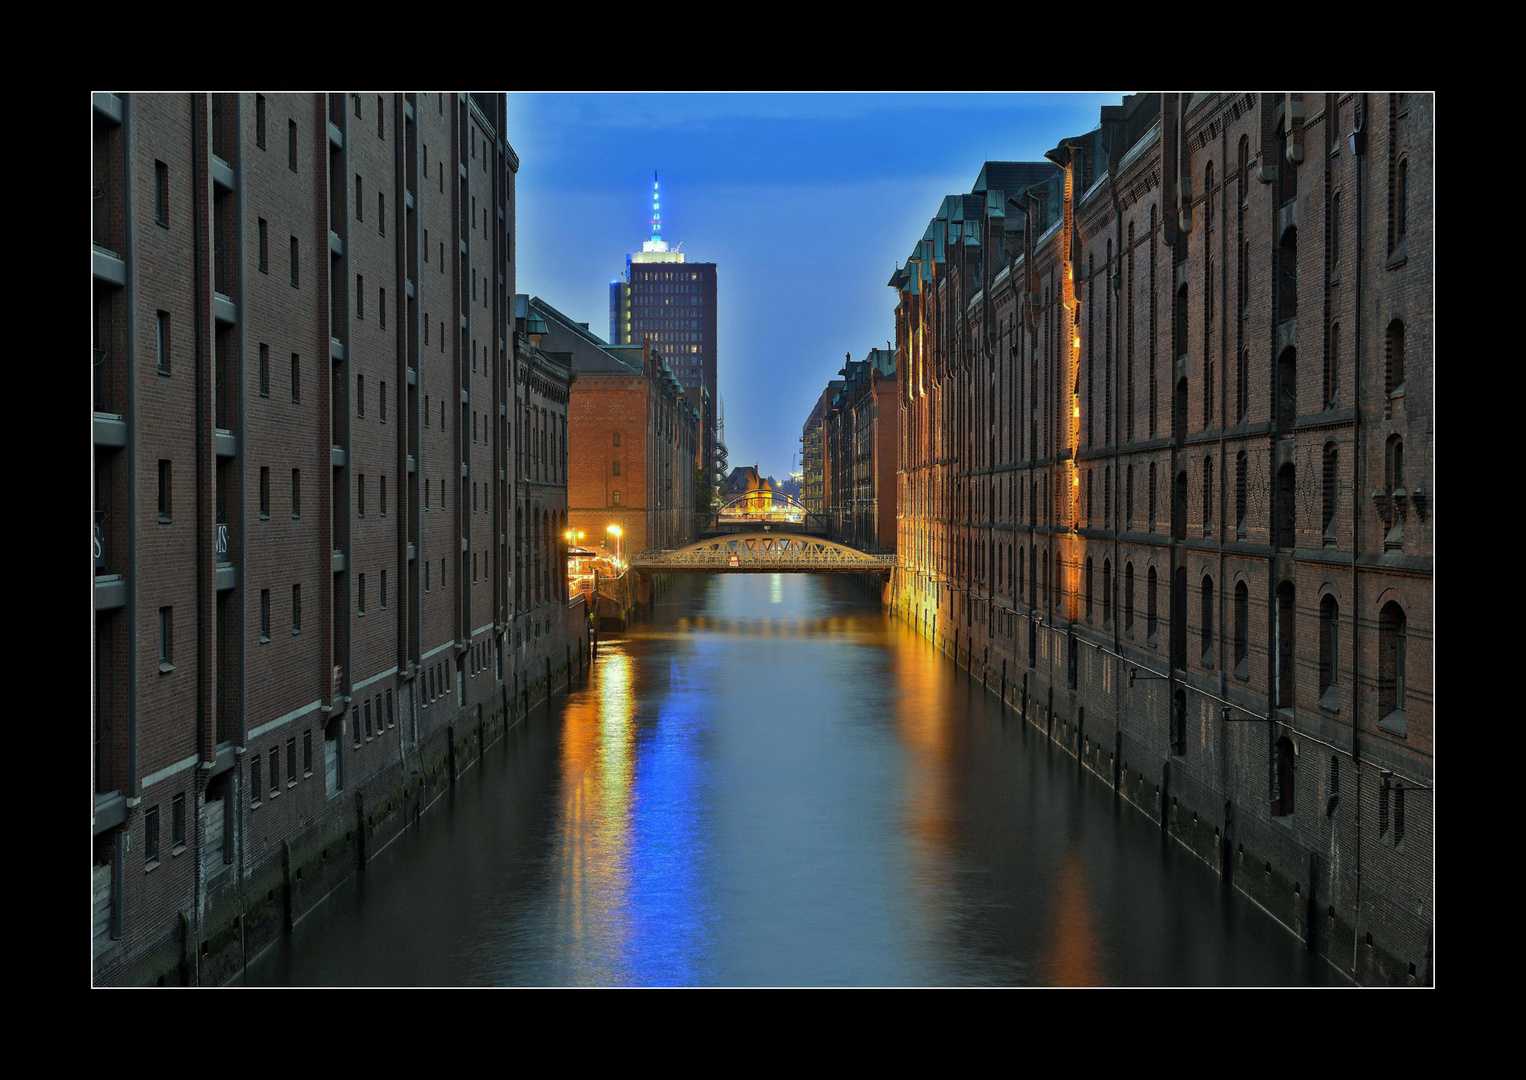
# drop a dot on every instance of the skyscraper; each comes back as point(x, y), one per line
point(670, 302)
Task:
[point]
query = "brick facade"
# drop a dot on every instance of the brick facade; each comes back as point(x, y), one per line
point(304, 336)
point(1167, 412)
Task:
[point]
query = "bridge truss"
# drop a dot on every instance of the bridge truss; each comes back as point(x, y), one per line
point(763, 553)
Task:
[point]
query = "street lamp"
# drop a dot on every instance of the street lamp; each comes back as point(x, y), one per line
point(614, 530)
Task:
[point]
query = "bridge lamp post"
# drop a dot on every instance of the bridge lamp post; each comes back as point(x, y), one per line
point(615, 531)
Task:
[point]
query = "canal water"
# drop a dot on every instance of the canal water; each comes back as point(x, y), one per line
point(772, 784)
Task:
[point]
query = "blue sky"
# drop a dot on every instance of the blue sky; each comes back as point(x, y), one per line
point(806, 202)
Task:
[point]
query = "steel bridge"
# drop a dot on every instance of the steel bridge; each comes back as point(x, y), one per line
point(764, 553)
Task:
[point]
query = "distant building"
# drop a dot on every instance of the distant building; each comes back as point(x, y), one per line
point(860, 448)
point(813, 479)
point(632, 439)
point(670, 303)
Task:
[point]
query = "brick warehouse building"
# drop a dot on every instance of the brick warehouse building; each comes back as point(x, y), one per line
point(633, 440)
point(861, 452)
point(304, 617)
point(812, 461)
point(1168, 483)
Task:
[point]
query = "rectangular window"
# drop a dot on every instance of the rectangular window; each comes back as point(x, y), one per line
point(294, 279)
point(296, 382)
point(291, 144)
point(255, 787)
point(264, 371)
point(381, 213)
point(360, 495)
point(360, 593)
point(259, 120)
point(275, 771)
point(368, 719)
point(426, 239)
point(163, 343)
point(383, 496)
point(383, 316)
point(307, 753)
point(391, 721)
point(164, 490)
point(162, 193)
point(360, 203)
point(360, 299)
point(291, 761)
point(617, 498)
point(296, 609)
point(264, 246)
point(177, 822)
point(151, 836)
point(296, 493)
point(384, 591)
point(264, 492)
point(360, 395)
point(381, 118)
point(166, 639)
point(384, 385)
point(264, 615)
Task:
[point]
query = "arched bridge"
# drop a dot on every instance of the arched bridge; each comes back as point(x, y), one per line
point(763, 553)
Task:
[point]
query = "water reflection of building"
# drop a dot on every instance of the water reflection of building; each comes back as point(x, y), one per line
point(1167, 408)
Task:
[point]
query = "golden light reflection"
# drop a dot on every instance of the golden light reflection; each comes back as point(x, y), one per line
point(926, 734)
point(594, 835)
point(1072, 957)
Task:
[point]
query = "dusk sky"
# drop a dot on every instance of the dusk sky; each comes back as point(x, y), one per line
point(805, 202)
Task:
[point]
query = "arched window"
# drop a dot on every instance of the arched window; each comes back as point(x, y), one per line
point(1208, 496)
point(1401, 204)
point(1331, 486)
point(1393, 482)
point(1287, 276)
point(1208, 196)
point(1107, 592)
point(1128, 598)
point(1393, 380)
point(1287, 386)
point(1242, 384)
point(1128, 500)
point(1242, 629)
point(1329, 649)
point(1333, 368)
point(1242, 474)
point(1287, 516)
point(1282, 804)
point(1151, 609)
point(1335, 236)
point(1088, 588)
point(1392, 696)
point(1179, 507)
point(1283, 690)
point(1206, 621)
point(1179, 343)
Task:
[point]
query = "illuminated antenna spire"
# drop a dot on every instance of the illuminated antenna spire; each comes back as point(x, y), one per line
point(656, 209)
point(656, 243)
